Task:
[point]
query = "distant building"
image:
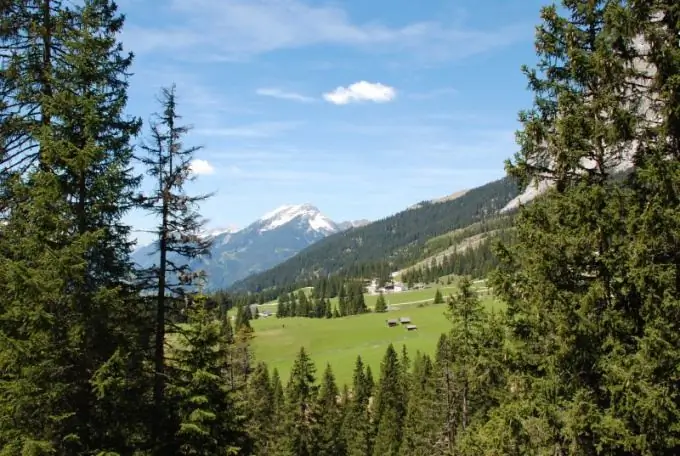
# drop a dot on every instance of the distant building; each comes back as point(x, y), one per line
point(411, 327)
point(405, 320)
point(392, 323)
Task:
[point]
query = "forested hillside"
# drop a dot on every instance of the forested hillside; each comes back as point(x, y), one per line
point(393, 242)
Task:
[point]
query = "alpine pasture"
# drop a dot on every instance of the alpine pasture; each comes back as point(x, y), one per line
point(338, 341)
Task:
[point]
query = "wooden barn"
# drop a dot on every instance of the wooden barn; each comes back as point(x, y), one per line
point(392, 323)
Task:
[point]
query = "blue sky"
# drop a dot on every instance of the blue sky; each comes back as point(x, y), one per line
point(359, 107)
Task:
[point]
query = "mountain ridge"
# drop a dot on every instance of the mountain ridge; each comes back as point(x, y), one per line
point(271, 239)
point(393, 241)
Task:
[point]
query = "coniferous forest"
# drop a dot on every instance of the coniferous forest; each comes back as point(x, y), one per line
point(100, 358)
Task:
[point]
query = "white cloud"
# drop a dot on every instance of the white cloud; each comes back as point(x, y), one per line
point(361, 91)
point(283, 95)
point(200, 167)
point(233, 29)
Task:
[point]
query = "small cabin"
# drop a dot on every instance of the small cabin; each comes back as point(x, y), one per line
point(411, 327)
point(392, 323)
point(405, 320)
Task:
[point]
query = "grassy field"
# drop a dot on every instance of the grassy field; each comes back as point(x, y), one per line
point(339, 341)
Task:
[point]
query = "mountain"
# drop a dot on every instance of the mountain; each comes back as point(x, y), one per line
point(394, 242)
point(274, 238)
point(353, 224)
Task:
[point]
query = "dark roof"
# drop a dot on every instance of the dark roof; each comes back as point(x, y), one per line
point(394, 320)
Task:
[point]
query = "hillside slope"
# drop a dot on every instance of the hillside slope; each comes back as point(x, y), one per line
point(397, 240)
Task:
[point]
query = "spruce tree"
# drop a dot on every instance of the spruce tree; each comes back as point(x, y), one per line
point(389, 406)
point(178, 230)
point(209, 420)
point(647, 348)
point(421, 424)
point(357, 426)
point(301, 431)
point(438, 298)
point(260, 399)
point(573, 314)
point(331, 442)
point(72, 332)
point(380, 304)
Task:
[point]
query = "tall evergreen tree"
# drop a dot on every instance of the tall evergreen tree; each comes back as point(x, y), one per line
point(260, 399)
point(357, 426)
point(574, 316)
point(438, 298)
point(301, 432)
point(422, 423)
point(389, 405)
point(209, 421)
point(169, 163)
point(380, 304)
point(330, 442)
point(72, 331)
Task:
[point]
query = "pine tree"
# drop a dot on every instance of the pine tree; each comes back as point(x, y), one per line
point(571, 308)
point(276, 442)
point(647, 348)
point(260, 397)
point(343, 307)
point(422, 423)
point(72, 332)
point(380, 304)
point(209, 422)
point(242, 320)
point(330, 442)
point(438, 298)
point(303, 308)
point(301, 432)
point(357, 426)
point(389, 406)
point(178, 230)
point(282, 307)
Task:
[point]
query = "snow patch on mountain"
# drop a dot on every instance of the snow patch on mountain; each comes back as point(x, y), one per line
point(285, 214)
point(214, 232)
point(320, 222)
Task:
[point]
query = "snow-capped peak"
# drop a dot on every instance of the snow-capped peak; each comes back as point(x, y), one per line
point(214, 232)
point(285, 214)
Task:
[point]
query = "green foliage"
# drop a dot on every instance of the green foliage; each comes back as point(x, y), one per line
point(357, 428)
point(381, 304)
point(72, 331)
point(390, 405)
point(331, 441)
point(438, 298)
point(260, 399)
point(301, 430)
point(209, 421)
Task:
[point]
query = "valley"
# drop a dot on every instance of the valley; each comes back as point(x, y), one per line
point(338, 341)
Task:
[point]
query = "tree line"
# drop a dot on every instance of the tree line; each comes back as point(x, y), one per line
point(350, 302)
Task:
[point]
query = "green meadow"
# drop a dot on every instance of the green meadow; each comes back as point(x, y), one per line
point(338, 341)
